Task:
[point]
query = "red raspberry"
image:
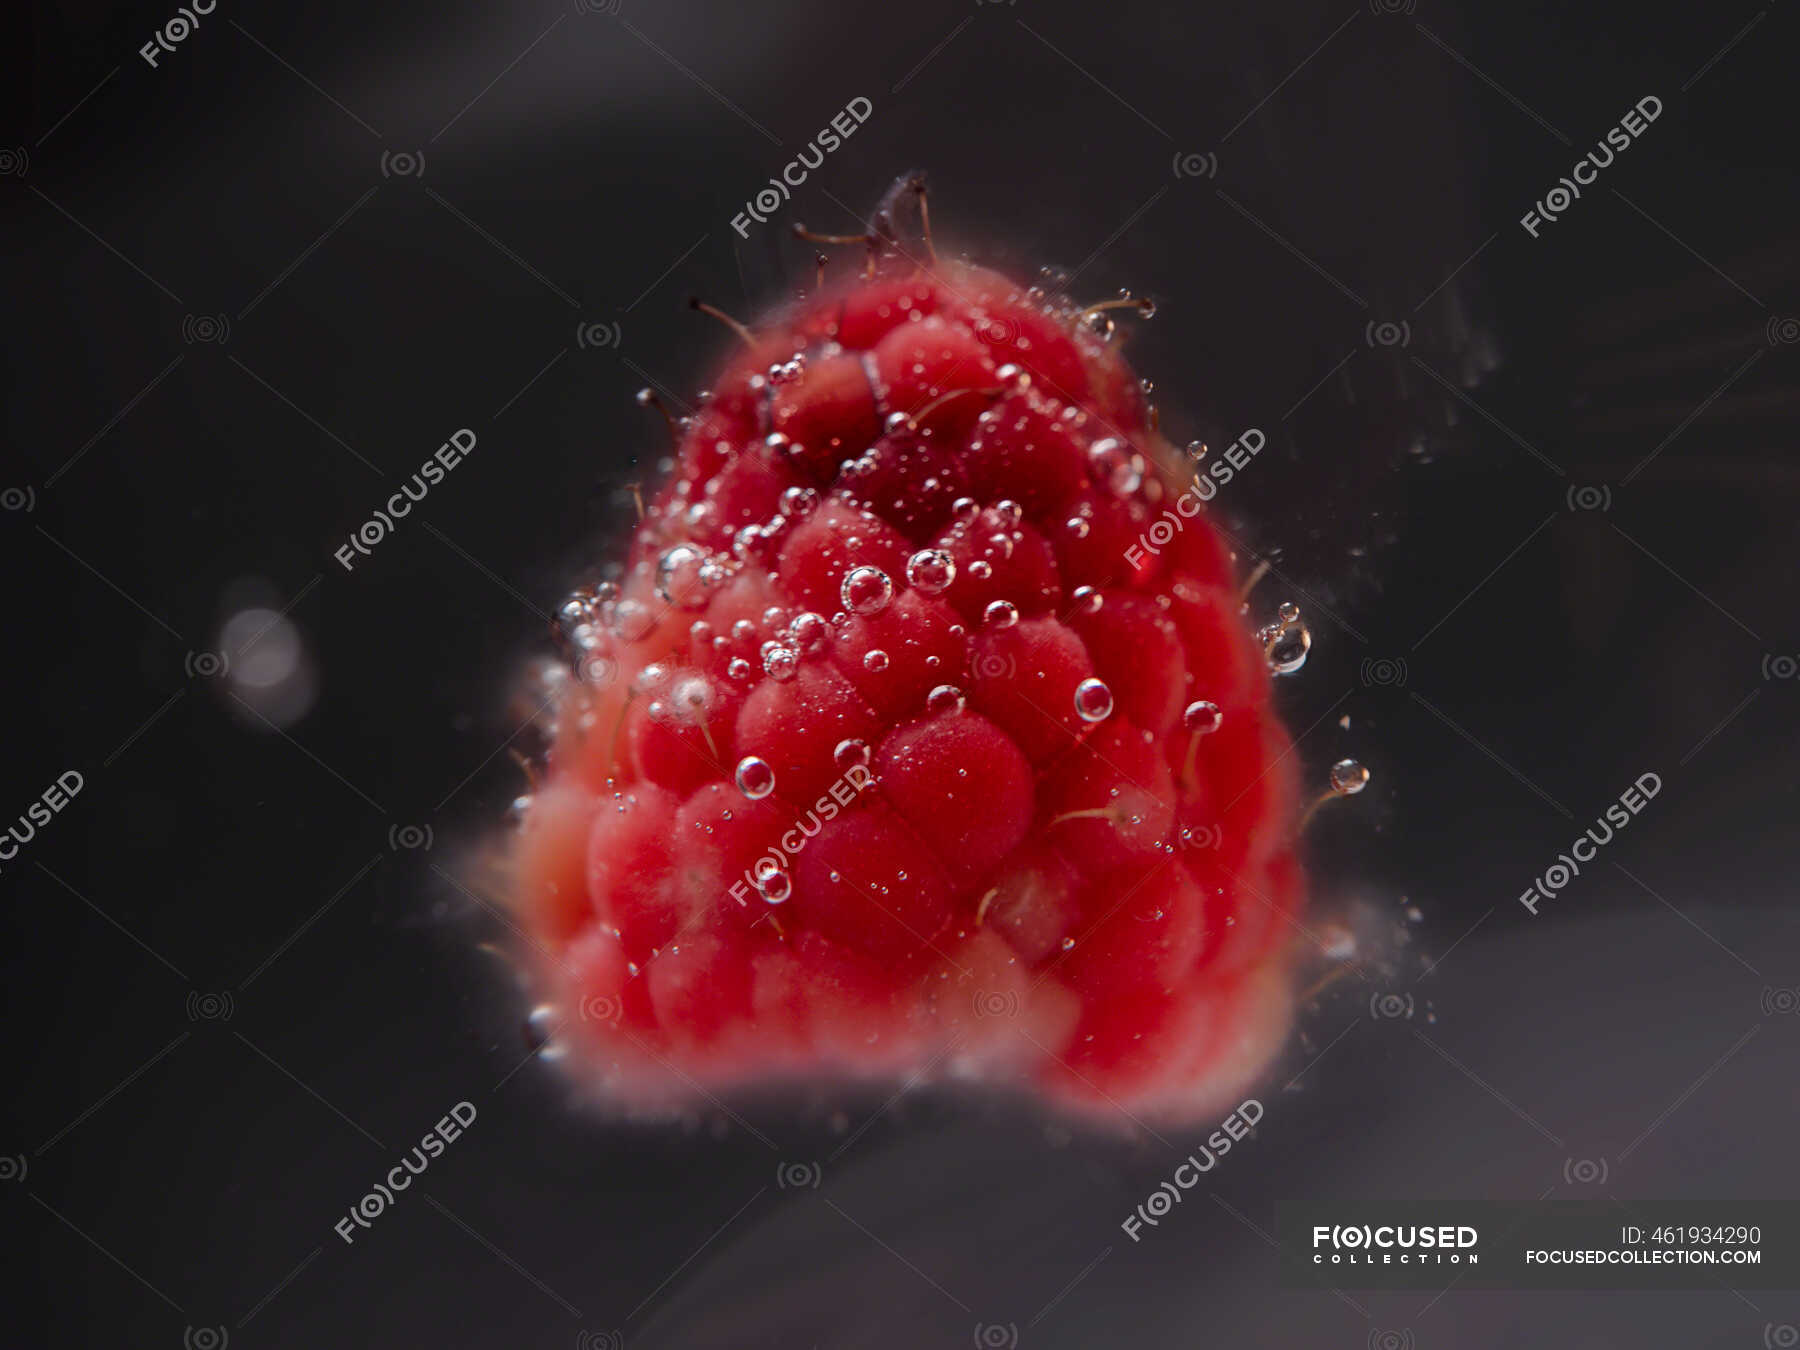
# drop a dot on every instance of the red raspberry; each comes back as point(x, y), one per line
point(890, 752)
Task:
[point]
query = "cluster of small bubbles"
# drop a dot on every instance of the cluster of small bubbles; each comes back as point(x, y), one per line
point(755, 779)
point(1088, 600)
point(930, 570)
point(773, 884)
point(860, 467)
point(851, 754)
point(1117, 465)
point(1000, 614)
point(946, 698)
point(787, 372)
point(1348, 777)
point(964, 509)
point(809, 632)
point(866, 590)
point(1093, 700)
point(1202, 717)
point(779, 662)
point(776, 526)
point(798, 501)
point(714, 572)
point(577, 612)
point(981, 569)
point(875, 660)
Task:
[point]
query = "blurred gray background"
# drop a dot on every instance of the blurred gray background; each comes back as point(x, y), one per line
point(1537, 495)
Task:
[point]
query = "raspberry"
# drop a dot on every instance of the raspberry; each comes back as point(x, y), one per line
point(888, 750)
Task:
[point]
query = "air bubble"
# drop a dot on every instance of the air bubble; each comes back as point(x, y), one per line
point(1117, 465)
point(876, 660)
point(755, 779)
point(1348, 777)
point(981, 569)
point(946, 698)
point(540, 1031)
point(1093, 700)
point(866, 590)
point(779, 662)
point(1286, 644)
point(1077, 526)
point(810, 631)
point(739, 669)
point(965, 509)
point(1000, 614)
point(1088, 600)
point(774, 885)
point(1202, 717)
point(678, 579)
point(930, 571)
point(798, 501)
point(850, 755)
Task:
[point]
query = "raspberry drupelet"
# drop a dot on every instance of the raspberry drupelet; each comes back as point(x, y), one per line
point(894, 754)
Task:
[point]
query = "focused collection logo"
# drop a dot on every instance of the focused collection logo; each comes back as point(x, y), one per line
point(1395, 1244)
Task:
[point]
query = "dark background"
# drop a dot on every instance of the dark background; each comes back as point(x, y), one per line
point(234, 997)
